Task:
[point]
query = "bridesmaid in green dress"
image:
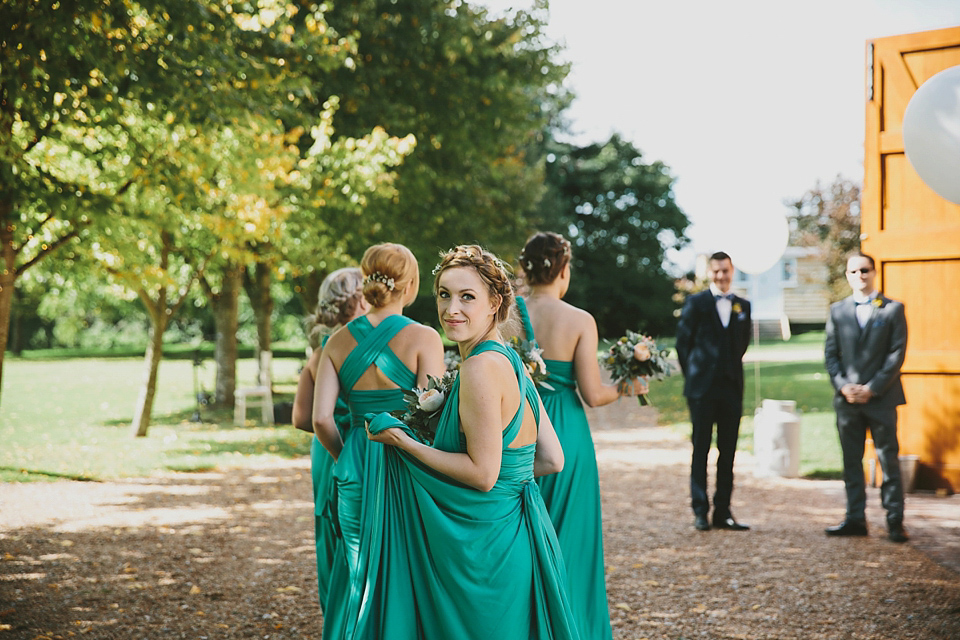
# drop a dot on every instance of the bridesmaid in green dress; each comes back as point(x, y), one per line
point(369, 362)
point(568, 337)
point(457, 541)
point(340, 301)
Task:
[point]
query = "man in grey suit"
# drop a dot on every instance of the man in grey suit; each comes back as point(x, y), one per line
point(865, 347)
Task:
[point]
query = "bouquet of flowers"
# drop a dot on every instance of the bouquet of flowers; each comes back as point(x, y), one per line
point(424, 406)
point(532, 357)
point(636, 355)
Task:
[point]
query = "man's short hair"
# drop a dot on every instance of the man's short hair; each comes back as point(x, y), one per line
point(720, 255)
point(861, 254)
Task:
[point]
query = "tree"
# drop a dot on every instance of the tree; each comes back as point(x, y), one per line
point(829, 218)
point(474, 92)
point(70, 71)
point(620, 215)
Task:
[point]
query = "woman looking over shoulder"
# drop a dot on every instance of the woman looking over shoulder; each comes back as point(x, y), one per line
point(568, 337)
point(468, 551)
point(340, 300)
point(369, 362)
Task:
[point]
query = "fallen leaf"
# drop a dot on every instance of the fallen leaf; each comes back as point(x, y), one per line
point(194, 590)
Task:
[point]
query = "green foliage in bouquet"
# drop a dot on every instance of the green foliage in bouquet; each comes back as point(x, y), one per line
point(532, 356)
point(635, 355)
point(424, 406)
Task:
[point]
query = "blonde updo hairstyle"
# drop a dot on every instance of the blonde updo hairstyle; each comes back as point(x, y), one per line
point(387, 268)
point(340, 294)
point(544, 257)
point(491, 271)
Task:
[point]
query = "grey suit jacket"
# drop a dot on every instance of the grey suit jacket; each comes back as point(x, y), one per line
point(872, 355)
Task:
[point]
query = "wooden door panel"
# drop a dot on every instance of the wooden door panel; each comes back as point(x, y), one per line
point(914, 235)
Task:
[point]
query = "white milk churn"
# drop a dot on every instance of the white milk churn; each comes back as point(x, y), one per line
point(776, 439)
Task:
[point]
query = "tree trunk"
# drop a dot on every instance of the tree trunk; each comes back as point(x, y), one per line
point(261, 301)
point(225, 318)
point(152, 358)
point(8, 277)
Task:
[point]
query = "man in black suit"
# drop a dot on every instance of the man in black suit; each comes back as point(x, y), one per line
point(712, 336)
point(865, 346)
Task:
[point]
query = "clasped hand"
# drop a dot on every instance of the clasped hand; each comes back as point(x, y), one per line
point(856, 393)
point(634, 387)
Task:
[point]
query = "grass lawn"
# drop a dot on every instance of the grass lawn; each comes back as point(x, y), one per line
point(804, 382)
point(69, 418)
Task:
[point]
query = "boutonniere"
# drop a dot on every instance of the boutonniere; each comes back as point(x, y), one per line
point(877, 302)
point(736, 308)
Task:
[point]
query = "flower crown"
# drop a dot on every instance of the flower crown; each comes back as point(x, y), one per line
point(439, 265)
point(376, 276)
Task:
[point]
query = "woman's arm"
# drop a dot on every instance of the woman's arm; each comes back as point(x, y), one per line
point(482, 381)
point(303, 400)
point(586, 368)
point(430, 357)
point(549, 457)
point(325, 394)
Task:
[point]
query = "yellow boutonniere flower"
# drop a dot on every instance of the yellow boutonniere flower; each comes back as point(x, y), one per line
point(877, 302)
point(737, 308)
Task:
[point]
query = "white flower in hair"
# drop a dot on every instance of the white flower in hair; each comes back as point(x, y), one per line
point(376, 276)
point(546, 262)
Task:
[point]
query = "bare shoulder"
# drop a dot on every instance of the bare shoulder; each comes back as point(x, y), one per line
point(482, 369)
point(340, 343)
point(579, 319)
point(419, 336)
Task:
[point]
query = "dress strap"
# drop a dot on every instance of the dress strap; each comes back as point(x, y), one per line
point(372, 349)
point(525, 318)
point(527, 388)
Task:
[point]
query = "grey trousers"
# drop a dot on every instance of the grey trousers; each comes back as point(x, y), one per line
point(853, 420)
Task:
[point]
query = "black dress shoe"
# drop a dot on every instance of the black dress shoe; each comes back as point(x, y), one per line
point(729, 524)
point(848, 528)
point(701, 524)
point(896, 532)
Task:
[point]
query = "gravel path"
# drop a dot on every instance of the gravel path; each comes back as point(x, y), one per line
point(230, 555)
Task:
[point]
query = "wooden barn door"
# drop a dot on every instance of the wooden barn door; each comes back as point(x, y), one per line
point(914, 235)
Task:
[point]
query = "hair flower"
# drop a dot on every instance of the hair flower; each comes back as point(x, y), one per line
point(376, 276)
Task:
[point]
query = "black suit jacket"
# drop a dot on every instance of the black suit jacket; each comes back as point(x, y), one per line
point(699, 336)
point(872, 355)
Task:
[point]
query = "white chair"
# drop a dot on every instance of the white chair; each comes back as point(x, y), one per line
point(261, 395)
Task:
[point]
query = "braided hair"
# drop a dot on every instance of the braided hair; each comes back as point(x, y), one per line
point(544, 256)
point(489, 267)
point(340, 293)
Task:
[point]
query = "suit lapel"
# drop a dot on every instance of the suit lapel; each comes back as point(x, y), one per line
point(711, 303)
point(874, 312)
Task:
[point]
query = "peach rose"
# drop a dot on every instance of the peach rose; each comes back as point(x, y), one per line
point(641, 352)
point(431, 400)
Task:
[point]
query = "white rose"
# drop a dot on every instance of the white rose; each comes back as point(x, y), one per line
point(431, 400)
point(641, 352)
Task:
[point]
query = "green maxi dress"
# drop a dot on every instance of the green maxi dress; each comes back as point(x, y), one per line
point(359, 461)
point(447, 561)
point(573, 496)
point(321, 471)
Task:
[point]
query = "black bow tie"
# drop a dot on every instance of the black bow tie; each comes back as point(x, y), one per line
point(722, 296)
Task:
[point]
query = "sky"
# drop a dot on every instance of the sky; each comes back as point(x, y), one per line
point(749, 102)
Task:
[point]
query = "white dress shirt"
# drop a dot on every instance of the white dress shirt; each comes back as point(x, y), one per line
point(724, 304)
point(864, 308)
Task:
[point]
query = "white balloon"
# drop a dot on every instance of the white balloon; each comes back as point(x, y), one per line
point(760, 243)
point(931, 133)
